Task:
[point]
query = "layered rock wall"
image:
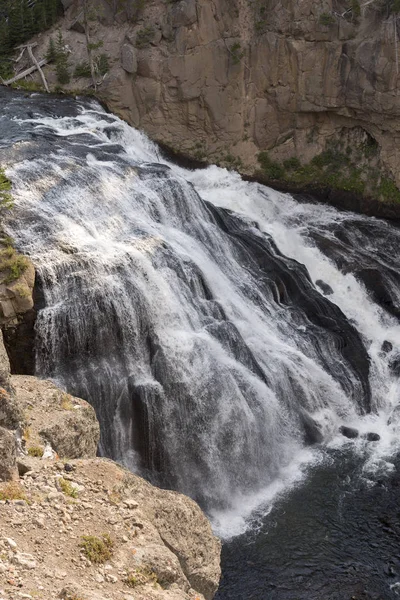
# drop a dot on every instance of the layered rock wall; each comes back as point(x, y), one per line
point(221, 81)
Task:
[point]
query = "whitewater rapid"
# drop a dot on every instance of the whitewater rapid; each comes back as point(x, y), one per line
point(177, 303)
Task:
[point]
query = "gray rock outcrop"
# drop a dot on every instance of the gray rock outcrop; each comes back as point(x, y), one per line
point(128, 58)
point(8, 455)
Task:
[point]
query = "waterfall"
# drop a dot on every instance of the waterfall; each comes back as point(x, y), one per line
point(219, 328)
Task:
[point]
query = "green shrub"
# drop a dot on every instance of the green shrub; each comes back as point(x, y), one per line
point(395, 7)
point(29, 86)
point(388, 190)
point(97, 550)
point(67, 488)
point(292, 164)
point(331, 158)
point(355, 8)
point(6, 70)
point(141, 576)
point(272, 169)
point(12, 264)
point(102, 64)
point(12, 491)
point(326, 19)
point(144, 36)
point(95, 45)
point(36, 451)
point(82, 70)
point(6, 199)
point(236, 53)
point(51, 53)
point(62, 67)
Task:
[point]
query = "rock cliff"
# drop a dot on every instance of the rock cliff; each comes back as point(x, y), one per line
point(17, 306)
point(300, 94)
point(77, 527)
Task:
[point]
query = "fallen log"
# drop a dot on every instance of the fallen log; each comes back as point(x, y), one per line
point(32, 69)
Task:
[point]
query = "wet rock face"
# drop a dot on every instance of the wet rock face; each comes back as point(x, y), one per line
point(387, 347)
point(394, 364)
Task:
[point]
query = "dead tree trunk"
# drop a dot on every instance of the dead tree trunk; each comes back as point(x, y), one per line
point(33, 59)
point(88, 42)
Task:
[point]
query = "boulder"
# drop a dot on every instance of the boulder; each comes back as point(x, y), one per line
point(74, 434)
point(312, 430)
point(8, 456)
point(371, 436)
point(78, 26)
point(349, 432)
point(324, 287)
point(183, 13)
point(386, 347)
point(129, 58)
point(10, 412)
point(66, 423)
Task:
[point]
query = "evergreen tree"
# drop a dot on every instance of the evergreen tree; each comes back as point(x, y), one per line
point(62, 70)
point(20, 20)
point(51, 53)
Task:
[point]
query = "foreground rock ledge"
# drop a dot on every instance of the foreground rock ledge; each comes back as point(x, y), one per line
point(162, 544)
point(158, 533)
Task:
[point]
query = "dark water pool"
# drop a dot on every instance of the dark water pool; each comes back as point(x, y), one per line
point(335, 537)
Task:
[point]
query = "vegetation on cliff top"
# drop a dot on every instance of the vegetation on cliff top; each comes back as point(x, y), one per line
point(12, 265)
point(334, 169)
point(6, 200)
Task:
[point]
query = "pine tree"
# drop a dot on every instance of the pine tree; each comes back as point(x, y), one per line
point(51, 53)
point(62, 71)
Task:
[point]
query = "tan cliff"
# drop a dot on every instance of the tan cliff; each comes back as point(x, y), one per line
point(222, 81)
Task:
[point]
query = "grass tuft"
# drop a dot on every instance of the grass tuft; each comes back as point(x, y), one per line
point(141, 576)
point(12, 491)
point(36, 451)
point(97, 550)
point(66, 403)
point(67, 488)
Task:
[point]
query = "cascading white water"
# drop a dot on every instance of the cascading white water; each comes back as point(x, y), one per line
point(210, 357)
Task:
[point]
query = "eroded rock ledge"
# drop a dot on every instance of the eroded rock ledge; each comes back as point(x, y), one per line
point(78, 527)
